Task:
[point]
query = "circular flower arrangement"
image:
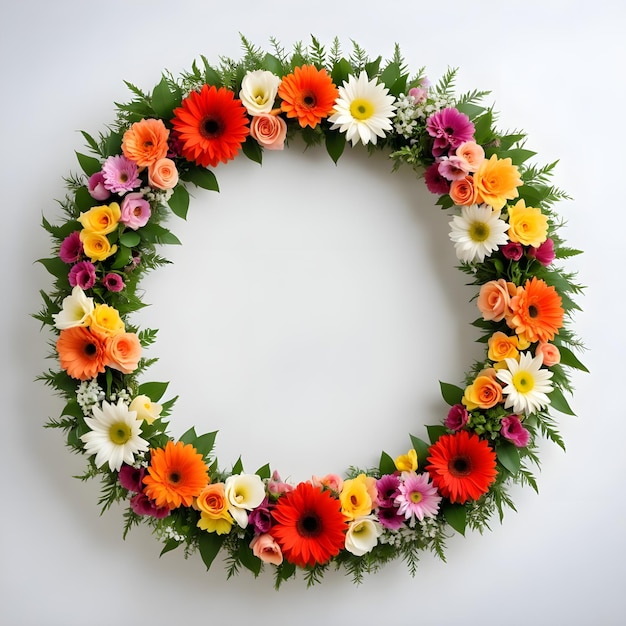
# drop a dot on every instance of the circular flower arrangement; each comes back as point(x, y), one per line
point(503, 231)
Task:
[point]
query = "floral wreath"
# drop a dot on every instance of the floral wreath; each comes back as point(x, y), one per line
point(505, 237)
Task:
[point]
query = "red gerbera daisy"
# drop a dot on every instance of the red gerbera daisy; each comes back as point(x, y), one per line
point(462, 466)
point(211, 126)
point(308, 94)
point(310, 527)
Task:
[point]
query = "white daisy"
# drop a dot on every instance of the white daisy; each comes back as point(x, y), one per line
point(114, 436)
point(76, 310)
point(526, 384)
point(363, 109)
point(477, 232)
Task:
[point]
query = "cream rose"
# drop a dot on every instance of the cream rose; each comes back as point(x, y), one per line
point(258, 91)
point(163, 174)
point(362, 535)
point(76, 311)
point(146, 410)
point(244, 492)
point(269, 130)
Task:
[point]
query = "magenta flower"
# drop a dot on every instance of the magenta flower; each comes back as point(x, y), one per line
point(512, 250)
point(513, 430)
point(113, 282)
point(387, 487)
point(418, 497)
point(131, 478)
point(135, 211)
point(544, 253)
point(142, 505)
point(453, 168)
point(71, 248)
point(457, 417)
point(450, 128)
point(96, 187)
point(389, 518)
point(435, 182)
point(120, 174)
point(261, 518)
point(83, 274)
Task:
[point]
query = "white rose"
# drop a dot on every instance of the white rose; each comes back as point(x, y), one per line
point(362, 535)
point(244, 492)
point(258, 91)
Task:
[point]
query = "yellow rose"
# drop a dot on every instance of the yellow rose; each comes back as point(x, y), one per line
point(220, 525)
point(407, 462)
point(502, 347)
point(97, 247)
point(146, 410)
point(105, 320)
point(356, 496)
point(527, 225)
point(101, 220)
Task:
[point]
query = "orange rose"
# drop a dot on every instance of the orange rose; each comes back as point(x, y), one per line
point(484, 393)
point(496, 181)
point(123, 352)
point(163, 174)
point(494, 299)
point(462, 191)
point(212, 501)
point(549, 352)
point(502, 347)
point(145, 142)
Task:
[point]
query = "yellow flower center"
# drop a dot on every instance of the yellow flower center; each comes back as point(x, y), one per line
point(119, 433)
point(416, 496)
point(479, 231)
point(361, 109)
point(523, 381)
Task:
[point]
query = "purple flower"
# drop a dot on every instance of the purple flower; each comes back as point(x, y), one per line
point(450, 128)
point(512, 250)
point(135, 211)
point(453, 168)
point(457, 417)
point(113, 282)
point(71, 248)
point(387, 487)
point(261, 518)
point(544, 253)
point(435, 182)
point(83, 274)
point(388, 516)
point(120, 174)
point(96, 187)
point(142, 505)
point(131, 478)
point(513, 430)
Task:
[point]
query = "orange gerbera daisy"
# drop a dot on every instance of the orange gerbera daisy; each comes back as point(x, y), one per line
point(462, 466)
point(310, 527)
point(145, 142)
point(537, 311)
point(176, 475)
point(82, 354)
point(308, 94)
point(211, 125)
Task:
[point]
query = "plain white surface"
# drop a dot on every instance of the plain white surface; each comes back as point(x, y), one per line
point(310, 313)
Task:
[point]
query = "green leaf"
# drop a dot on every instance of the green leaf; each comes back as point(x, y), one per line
point(399, 86)
point(372, 68)
point(483, 132)
point(247, 558)
point(471, 110)
point(179, 201)
point(570, 359)
point(558, 402)
point(204, 443)
point(238, 467)
point(386, 464)
point(517, 155)
point(201, 177)
point(508, 456)
point(421, 447)
point(340, 72)
point(154, 390)
point(164, 100)
point(272, 64)
point(155, 233)
point(170, 544)
point(456, 516)
point(451, 393)
point(130, 238)
point(434, 432)
point(335, 144)
point(264, 472)
point(83, 199)
point(508, 141)
point(90, 165)
point(122, 258)
point(252, 150)
point(390, 75)
point(55, 266)
point(209, 545)
point(113, 144)
point(188, 436)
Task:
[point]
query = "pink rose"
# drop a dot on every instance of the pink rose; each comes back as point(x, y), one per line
point(96, 187)
point(135, 211)
point(269, 130)
point(330, 481)
point(265, 548)
point(549, 352)
point(163, 174)
point(513, 430)
point(276, 486)
point(494, 299)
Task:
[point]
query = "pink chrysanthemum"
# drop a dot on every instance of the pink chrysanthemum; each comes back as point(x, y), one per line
point(418, 497)
point(390, 518)
point(120, 174)
point(387, 488)
point(450, 128)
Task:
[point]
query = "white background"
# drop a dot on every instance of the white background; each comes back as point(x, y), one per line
point(312, 310)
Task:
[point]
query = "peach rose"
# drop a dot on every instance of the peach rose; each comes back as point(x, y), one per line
point(269, 130)
point(494, 299)
point(163, 174)
point(123, 352)
point(334, 482)
point(462, 191)
point(549, 352)
point(265, 548)
point(472, 153)
point(484, 393)
point(501, 347)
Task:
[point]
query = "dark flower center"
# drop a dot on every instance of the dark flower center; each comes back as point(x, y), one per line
point(210, 128)
point(309, 525)
point(449, 130)
point(532, 311)
point(460, 466)
point(90, 349)
point(308, 99)
point(174, 477)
